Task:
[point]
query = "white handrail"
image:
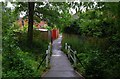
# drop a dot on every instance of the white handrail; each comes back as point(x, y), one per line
point(47, 58)
point(48, 55)
point(75, 60)
point(72, 57)
point(66, 46)
point(49, 51)
point(69, 50)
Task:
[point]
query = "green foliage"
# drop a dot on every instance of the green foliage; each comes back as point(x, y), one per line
point(20, 64)
point(54, 13)
point(98, 44)
point(99, 58)
point(96, 22)
point(25, 28)
point(17, 61)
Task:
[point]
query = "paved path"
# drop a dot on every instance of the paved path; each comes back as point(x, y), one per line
point(60, 65)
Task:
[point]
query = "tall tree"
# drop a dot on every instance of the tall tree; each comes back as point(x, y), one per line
point(30, 22)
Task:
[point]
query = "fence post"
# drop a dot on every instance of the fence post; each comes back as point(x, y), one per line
point(49, 51)
point(75, 61)
point(47, 58)
point(65, 46)
point(69, 52)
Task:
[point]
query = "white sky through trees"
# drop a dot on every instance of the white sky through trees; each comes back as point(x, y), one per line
point(71, 11)
point(22, 14)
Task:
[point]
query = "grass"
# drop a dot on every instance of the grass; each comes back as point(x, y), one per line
point(88, 49)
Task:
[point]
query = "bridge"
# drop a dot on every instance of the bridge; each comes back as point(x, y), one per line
point(60, 66)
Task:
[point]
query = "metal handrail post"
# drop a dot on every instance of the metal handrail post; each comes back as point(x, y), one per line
point(49, 51)
point(69, 52)
point(47, 58)
point(65, 46)
point(75, 60)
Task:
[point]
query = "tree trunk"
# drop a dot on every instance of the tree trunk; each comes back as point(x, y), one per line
point(30, 23)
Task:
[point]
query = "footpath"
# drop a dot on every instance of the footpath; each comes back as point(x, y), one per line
point(60, 66)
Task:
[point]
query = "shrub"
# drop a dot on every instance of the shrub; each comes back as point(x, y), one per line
point(99, 58)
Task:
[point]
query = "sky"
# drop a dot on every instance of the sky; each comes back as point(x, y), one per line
point(22, 14)
point(10, 5)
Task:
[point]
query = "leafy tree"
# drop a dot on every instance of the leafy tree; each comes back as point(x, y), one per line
point(16, 61)
point(56, 14)
point(100, 57)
